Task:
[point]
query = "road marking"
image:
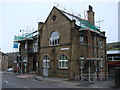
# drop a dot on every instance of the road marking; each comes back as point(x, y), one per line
point(26, 87)
point(6, 81)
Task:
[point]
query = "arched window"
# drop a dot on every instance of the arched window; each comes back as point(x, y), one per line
point(82, 39)
point(63, 62)
point(54, 39)
point(46, 61)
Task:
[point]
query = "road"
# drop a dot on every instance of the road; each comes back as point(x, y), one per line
point(11, 81)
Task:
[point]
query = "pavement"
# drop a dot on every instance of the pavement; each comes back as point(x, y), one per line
point(71, 84)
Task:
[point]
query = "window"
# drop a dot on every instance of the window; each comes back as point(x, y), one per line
point(54, 17)
point(35, 47)
point(54, 39)
point(26, 46)
point(101, 44)
point(82, 62)
point(81, 39)
point(101, 63)
point(46, 61)
point(117, 58)
point(63, 62)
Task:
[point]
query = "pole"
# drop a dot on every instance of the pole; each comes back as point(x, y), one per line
point(89, 70)
point(81, 70)
point(25, 68)
point(21, 67)
point(81, 74)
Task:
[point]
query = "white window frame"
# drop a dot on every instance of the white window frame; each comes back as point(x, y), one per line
point(101, 63)
point(101, 44)
point(46, 62)
point(63, 63)
point(54, 39)
point(82, 39)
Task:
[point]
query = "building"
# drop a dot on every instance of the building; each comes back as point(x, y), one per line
point(12, 59)
point(28, 52)
point(71, 47)
point(113, 61)
point(3, 61)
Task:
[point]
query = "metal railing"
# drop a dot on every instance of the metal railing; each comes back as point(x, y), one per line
point(101, 77)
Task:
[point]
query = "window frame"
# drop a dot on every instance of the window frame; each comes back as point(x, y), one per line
point(46, 62)
point(82, 39)
point(54, 39)
point(101, 43)
point(63, 62)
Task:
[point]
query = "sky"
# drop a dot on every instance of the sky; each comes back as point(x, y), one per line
point(16, 16)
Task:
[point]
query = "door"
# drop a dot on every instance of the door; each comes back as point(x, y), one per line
point(45, 72)
point(45, 65)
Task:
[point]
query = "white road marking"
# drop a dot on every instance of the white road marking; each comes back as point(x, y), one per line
point(26, 87)
point(6, 81)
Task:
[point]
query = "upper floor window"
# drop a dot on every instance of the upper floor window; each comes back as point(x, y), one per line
point(54, 38)
point(101, 42)
point(63, 61)
point(114, 58)
point(53, 17)
point(26, 46)
point(35, 46)
point(81, 39)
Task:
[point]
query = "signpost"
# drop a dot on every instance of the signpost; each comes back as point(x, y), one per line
point(25, 64)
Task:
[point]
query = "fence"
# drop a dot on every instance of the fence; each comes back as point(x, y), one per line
point(93, 77)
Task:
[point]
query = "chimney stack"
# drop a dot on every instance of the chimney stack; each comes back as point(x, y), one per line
point(91, 15)
point(40, 25)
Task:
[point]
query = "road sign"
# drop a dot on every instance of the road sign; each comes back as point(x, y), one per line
point(25, 64)
point(25, 60)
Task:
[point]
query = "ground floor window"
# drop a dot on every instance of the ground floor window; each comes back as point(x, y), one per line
point(46, 61)
point(63, 62)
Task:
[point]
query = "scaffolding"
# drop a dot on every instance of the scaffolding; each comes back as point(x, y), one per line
point(25, 36)
point(86, 26)
point(83, 23)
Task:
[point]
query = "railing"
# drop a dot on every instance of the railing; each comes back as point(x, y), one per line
point(29, 51)
point(101, 77)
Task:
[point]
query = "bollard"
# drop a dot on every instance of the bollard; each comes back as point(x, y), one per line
point(117, 77)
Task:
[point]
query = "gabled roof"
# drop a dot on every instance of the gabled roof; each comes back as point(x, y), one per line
point(59, 11)
point(84, 24)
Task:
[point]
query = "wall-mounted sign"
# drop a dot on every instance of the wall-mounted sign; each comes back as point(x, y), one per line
point(64, 49)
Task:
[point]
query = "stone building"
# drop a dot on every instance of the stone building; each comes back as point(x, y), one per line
point(71, 47)
point(3, 61)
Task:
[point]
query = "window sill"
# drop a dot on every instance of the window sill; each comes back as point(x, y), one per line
point(46, 67)
point(54, 45)
point(63, 67)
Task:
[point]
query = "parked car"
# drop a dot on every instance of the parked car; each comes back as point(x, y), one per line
point(10, 69)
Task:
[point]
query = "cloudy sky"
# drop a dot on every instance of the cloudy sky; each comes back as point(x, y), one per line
point(25, 15)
